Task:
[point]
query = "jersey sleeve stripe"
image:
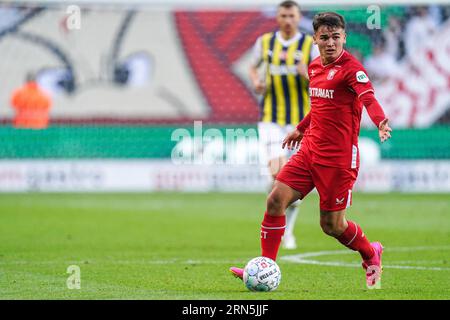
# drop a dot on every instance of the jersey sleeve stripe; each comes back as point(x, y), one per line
point(368, 90)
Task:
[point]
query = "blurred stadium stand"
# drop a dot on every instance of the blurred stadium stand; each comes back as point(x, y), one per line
point(131, 75)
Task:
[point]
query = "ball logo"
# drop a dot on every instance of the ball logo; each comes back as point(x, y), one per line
point(362, 77)
point(266, 275)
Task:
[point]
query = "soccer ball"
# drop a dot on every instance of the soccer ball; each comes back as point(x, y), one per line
point(262, 274)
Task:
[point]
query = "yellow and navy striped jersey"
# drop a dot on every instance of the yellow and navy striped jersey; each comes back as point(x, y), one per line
point(286, 100)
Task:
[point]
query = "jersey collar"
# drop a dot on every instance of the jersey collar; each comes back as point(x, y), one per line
point(287, 43)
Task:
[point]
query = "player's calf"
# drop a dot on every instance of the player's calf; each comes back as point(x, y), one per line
point(354, 238)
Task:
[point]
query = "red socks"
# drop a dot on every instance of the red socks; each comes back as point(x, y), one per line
point(272, 230)
point(354, 238)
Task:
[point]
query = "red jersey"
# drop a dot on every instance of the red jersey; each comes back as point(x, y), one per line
point(335, 90)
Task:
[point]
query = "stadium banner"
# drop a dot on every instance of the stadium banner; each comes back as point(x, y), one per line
point(149, 175)
point(222, 3)
point(120, 89)
point(92, 71)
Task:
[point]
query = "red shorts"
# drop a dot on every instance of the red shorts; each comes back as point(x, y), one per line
point(333, 184)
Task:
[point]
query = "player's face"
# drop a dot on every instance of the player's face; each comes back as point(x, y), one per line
point(288, 19)
point(330, 42)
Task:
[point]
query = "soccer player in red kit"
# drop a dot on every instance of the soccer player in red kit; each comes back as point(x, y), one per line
point(328, 158)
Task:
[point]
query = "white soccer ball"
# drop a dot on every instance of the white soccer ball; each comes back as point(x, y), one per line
point(262, 274)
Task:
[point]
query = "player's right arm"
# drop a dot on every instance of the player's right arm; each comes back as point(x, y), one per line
point(293, 139)
point(258, 85)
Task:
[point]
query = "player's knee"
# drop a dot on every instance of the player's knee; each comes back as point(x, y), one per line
point(330, 227)
point(274, 204)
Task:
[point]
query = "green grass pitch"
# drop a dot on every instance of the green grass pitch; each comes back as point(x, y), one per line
point(180, 246)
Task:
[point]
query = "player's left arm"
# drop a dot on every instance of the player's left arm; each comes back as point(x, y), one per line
point(359, 83)
point(376, 114)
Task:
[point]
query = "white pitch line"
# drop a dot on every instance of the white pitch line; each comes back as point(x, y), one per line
point(123, 262)
point(425, 262)
point(303, 258)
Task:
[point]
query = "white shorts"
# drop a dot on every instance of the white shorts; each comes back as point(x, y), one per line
point(271, 136)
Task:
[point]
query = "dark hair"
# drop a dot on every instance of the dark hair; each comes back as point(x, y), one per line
point(289, 4)
point(329, 19)
point(30, 76)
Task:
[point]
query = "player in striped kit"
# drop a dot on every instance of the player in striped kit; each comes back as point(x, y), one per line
point(285, 55)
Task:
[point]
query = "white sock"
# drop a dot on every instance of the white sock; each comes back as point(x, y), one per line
point(291, 217)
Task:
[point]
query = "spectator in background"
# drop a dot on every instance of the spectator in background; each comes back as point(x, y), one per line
point(436, 14)
point(356, 53)
point(445, 10)
point(381, 64)
point(31, 105)
point(9, 15)
point(393, 37)
point(418, 30)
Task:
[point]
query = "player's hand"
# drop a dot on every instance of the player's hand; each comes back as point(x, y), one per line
point(292, 140)
point(302, 70)
point(259, 86)
point(384, 130)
